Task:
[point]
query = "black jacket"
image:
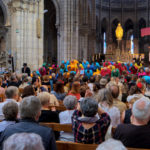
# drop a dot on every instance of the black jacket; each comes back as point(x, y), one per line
point(29, 126)
point(26, 71)
point(50, 116)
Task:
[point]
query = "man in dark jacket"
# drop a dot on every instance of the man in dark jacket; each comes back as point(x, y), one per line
point(26, 69)
point(30, 110)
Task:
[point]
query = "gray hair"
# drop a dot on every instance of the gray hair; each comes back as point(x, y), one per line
point(30, 107)
point(11, 91)
point(23, 141)
point(89, 107)
point(141, 109)
point(104, 95)
point(10, 111)
point(111, 144)
point(70, 102)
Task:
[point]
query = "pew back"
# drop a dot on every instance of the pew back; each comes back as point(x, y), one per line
point(62, 145)
point(58, 127)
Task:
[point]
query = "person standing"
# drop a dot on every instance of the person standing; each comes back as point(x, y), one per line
point(26, 69)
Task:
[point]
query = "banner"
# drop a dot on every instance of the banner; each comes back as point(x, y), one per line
point(145, 32)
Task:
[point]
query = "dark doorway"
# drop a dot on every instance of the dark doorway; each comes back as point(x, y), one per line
point(114, 27)
point(142, 40)
point(50, 32)
point(128, 29)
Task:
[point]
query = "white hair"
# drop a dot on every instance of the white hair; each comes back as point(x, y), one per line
point(141, 109)
point(23, 141)
point(111, 144)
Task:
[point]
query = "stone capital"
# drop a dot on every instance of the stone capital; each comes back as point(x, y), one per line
point(22, 5)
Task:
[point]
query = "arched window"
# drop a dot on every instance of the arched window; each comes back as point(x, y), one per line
point(105, 44)
point(132, 44)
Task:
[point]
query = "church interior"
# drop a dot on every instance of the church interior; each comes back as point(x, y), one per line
point(74, 74)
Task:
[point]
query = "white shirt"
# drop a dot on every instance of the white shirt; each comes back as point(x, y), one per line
point(1, 107)
point(90, 85)
point(65, 118)
point(114, 114)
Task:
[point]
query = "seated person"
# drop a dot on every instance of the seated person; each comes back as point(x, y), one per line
point(46, 80)
point(116, 102)
point(2, 90)
point(12, 94)
point(75, 90)
point(126, 115)
point(105, 100)
point(13, 81)
point(46, 114)
point(30, 110)
point(136, 134)
point(59, 91)
point(107, 145)
point(70, 103)
point(29, 141)
point(10, 111)
point(28, 91)
point(24, 83)
point(87, 127)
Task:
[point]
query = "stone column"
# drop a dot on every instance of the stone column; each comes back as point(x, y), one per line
point(26, 46)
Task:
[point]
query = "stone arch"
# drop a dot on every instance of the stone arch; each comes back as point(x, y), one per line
point(104, 25)
point(55, 2)
point(114, 25)
point(51, 27)
point(142, 41)
point(6, 13)
point(128, 28)
point(142, 23)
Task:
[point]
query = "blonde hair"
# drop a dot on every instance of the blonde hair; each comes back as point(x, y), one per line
point(44, 97)
point(104, 95)
point(133, 100)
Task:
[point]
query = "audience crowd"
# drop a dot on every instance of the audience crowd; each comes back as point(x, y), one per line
point(106, 103)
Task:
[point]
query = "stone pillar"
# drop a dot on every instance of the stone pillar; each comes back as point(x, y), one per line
point(26, 46)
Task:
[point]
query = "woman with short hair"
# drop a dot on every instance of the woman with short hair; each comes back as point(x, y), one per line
point(87, 127)
point(10, 111)
point(46, 114)
point(70, 102)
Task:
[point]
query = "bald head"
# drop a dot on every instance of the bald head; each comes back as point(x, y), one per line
point(141, 109)
point(114, 91)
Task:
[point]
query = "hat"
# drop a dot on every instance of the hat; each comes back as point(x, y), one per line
point(103, 81)
point(24, 64)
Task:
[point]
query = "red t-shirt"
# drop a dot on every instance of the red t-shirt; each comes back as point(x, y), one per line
point(77, 95)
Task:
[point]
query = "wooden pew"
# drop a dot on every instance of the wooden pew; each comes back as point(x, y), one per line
point(58, 127)
point(59, 108)
point(61, 103)
point(61, 145)
point(2, 97)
